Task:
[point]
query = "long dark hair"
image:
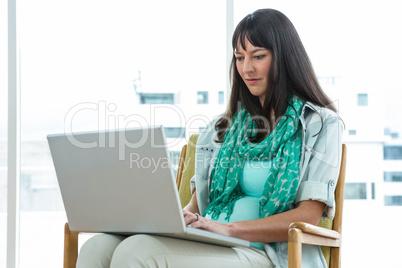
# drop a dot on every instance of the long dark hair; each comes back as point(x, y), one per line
point(291, 72)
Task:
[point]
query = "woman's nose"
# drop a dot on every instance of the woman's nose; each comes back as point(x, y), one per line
point(247, 66)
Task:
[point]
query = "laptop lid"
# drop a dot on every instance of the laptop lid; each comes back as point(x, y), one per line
point(117, 181)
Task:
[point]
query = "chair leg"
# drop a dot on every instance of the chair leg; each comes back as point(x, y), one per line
point(70, 247)
point(294, 248)
point(335, 261)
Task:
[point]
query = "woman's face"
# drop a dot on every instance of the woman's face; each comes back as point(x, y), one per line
point(253, 65)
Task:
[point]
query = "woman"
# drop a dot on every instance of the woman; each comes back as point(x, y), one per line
point(271, 159)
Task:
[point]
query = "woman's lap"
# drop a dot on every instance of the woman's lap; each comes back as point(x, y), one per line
point(157, 251)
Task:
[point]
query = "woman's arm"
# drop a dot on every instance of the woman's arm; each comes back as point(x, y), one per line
point(190, 210)
point(269, 229)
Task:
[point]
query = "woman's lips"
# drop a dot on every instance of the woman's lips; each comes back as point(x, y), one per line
point(252, 80)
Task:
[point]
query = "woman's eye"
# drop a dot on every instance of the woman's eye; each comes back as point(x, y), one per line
point(259, 57)
point(239, 58)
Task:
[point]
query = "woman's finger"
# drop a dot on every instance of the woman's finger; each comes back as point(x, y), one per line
point(189, 217)
point(186, 212)
point(200, 223)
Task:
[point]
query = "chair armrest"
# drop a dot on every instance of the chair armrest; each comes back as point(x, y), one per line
point(301, 232)
point(315, 230)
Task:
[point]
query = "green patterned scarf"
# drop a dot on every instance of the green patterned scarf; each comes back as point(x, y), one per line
point(282, 146)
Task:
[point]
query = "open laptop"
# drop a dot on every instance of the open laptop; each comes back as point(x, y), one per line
point(122, 182)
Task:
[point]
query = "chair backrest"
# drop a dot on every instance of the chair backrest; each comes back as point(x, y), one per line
point(339, 193)
point(332, 255)
point(186, 171)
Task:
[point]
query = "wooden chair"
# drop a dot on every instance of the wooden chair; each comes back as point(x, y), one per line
point(300, 232)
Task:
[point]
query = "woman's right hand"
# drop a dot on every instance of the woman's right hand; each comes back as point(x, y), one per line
point(190, 217)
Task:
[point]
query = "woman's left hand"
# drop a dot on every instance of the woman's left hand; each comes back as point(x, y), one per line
point(205, 224)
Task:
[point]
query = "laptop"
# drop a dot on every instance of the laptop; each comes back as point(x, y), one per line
point(122, 182)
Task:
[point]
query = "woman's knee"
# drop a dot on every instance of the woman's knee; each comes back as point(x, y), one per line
point(98, 250)
point(138, 251)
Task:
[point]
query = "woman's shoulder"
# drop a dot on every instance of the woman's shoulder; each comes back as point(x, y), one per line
point(313, 113)
point(317, 119)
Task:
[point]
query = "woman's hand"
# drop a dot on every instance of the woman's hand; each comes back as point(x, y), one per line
point(197, 221)
point(189, 217)
point(194, 219)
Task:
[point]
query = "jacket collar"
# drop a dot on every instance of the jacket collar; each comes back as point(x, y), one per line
point(309, 106)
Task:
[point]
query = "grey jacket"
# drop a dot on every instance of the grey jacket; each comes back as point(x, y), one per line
point(318, 169)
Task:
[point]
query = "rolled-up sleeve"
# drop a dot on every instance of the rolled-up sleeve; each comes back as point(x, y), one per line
point(322, 160)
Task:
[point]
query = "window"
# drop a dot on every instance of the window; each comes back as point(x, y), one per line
point(393, 176)
point(202, 97)
point(373, 190)
point(71, 68)
point(362, 99)
point(156, 98)
point(175, 132)
point(392, 134)
point(393, 200)
point(220, 97)
point(328, 80)
point(392, 152)
point(356, 190)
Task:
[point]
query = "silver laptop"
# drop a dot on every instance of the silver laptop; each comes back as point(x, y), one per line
point(122, 182)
